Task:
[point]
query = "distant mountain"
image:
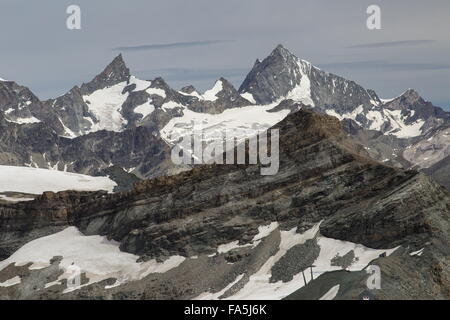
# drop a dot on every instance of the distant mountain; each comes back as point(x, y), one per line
point(283, 76)
point(119, 103)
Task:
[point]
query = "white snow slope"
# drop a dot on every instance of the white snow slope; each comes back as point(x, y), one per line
point(259, 286)
point(245, 121)
point(36, 181)
point(95, 256)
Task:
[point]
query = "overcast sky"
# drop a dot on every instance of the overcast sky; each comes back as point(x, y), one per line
point(197, 41)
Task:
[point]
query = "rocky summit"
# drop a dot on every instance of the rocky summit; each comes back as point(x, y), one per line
point(360, 190)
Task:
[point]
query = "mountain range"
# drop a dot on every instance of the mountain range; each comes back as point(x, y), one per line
point(353, 190)
point(406, 131)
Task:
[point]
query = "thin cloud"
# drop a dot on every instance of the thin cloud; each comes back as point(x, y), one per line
point(388, 44)
point(380, 64)
point(174, 45)
point(186, 74)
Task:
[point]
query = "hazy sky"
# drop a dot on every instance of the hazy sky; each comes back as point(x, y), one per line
point(197, 41)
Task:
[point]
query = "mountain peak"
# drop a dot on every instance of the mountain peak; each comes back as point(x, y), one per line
point(411, 94)
point(188, 89)
point(117, 69)
point(274, 77)
point(282, 52)
point(405, 100)
point(118, 61)
point(114, 73)
point(280, 48)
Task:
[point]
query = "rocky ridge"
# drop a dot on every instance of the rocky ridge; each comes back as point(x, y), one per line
point(324, 178)
point(401, 131)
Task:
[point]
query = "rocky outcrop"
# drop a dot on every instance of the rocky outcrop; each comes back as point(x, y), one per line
point(440, 172)
point(324, 177)
point(25, 221)
point(226, 97)
point(114, 73)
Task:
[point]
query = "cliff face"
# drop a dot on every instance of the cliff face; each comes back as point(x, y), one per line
point(323, 177)
point(25, 221)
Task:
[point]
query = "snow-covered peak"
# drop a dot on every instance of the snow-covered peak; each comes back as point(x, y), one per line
point(280, 76)
point(211, 94)
point(190, 91)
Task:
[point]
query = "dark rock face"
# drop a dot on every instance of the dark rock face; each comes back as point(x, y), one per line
point(272, 78)
point(19, 105)
point(114, 73)
point(323, 175)
point(139, 150)
point(72, 111)
point(26, 221)
point(277, 75)
point(440, 172)
point(299, 258)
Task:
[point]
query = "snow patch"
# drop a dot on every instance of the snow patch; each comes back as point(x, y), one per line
point(106, 104)
point(349, 115)
point(399, 128)
point(302, 92)
point(11, 282)
point(140, 84)
point(417, 253)
point(259, 287)
point(244, 121)
point(331, 294)
point(192, 94)
point(263, 231)
point(27, 120)
point(249, 97)
point(36, 181)
point(96, 256)
point(145, 109)
point(157, 92)
point(171, 105)
point(211, 95)
point(12, 199)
